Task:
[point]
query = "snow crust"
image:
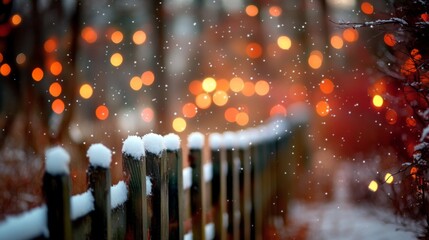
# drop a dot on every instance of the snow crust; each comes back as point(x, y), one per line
point(187, 177)
point(154, 143)
point(81, 204)
point(148, 186)
point(210, 230)
point(299, 113)
point(99, 155)
point(118, 194)
point(172, 141)
point(230, 139)
point(243, 139)
point(134, 147)
point(27, 225)
point(188, 236)
point(215, 141)
point(208, 172)
point(196, 140)
point(57, 161)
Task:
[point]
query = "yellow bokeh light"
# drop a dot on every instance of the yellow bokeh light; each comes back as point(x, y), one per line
point(209, 84)
point(377, 101)
point(179, 124)
point(116, 59)
point(236, 84)
point(139, 37)
point(322, 108)
point(388, 178)
point(373, 186)
point(284, 42)
point(262, 87)
point(86, 91)
point(220, 98)
point(117, 37)
point(136, 83)
point(203, 100)
point(242, 118)
point(315, 59)
point(337, 42)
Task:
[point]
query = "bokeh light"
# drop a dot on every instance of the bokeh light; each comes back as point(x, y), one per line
point(367, 8)
point(377, 101)
point(139, 37)
point(350, 35)
point(326, 86)
point(315, 59)
point(284, 42)
point(89, 34)
point(236, 84)
point(189, 110)
point(252, 10)
point(117, 37)
point(147, 114)
point(55, 89)
point(86, 91)
point(231, 114)
point(248, 89)
point(242, 118)
point(373, 186)
point(275, 11)
point(102, 112)
point(220, 98)
point(195, 87)
point(16, 19)
point(37, 74)
point(322, 108)
point(388, 178)
point(278, 110)
point(389, 39)
point(136, 83)
point(209, 84)
point(337, 42)
point(50, 45)
point(254, 50)
point(21, 58)
point(262, 87)
point(179, 124)
point(58, 106)
point(5, 69)
point(148, 78)
point(56, 68)
point(391, 116)
point(116, 59)
point(222, 84)
point(203, 100)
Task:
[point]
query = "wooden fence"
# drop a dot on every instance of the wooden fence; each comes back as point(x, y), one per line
point(229, 196)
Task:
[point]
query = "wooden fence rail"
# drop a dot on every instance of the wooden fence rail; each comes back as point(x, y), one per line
point(231, 195)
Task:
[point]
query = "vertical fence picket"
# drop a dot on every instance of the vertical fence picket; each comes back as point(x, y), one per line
point(195, 158)
point(99, 182)
point(56, 186)
point(175, 186)
point(245, 191)
point(134, 162)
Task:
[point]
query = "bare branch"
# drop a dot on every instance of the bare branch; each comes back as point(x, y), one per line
point(378, 22)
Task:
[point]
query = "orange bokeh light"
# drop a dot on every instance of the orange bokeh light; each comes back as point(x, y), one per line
point(322, 108)
point(275, 11)
point(248, 89)
point(254, 50)
point(236, 84)
point(50, 45)
point(278, 110)
point(337, 42)
point(350, 35)
point(252, 10)
point(284, 42)
point(367, 8)
point(89, 34)
point(242, 118)
point(326, 86)
point(298, 92)
point(220, 98)
point(222, 84)
point(231, 114)
point(389, 39)
point(179, 124)
point(5, 69)
point(136, 83)
point(37, 74)
point(391, 116)
point(262, 87)
point(56, 68)
point(189, 110)
point(139, 37)
point(148, 78)
point(58, 106)
point(117, 37)
point(55, 89)
point(16, 19)
point(102, 112)
point(147, 114)
point(196, 87)
point(315, 59)
point(411, 122)
point(203, 100)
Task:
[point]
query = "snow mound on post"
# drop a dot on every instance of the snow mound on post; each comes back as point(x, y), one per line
point(243, 139)
point(119, 194)
point(148, 186)
point(57, 161)
point(154, 143)
point(81, 204)
point(196, 140)
point(99, 155)
point(230, 139)
point(208, 172)
point(187, 177)
point(215, 141)
point(209, 230)
point(172, 141)
point(134, 147)
point(30, 224)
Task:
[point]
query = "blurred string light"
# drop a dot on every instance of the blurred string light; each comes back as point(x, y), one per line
point(1, 57)
point(388, 178)
point(222, 84)
point(284, 42)
point(50, 45)
point(220, 98)
point(389, 39)
point(203, 100)
point(195, 87)
point(136, 83)
point(373, 186)
point(89, 34)
point(55, 89)
point(315, 59)
point(117, 37)
point(337, 42)
point(58, 106)
point(21, 58)
point(116, 59)
point(262, 87)
point(147, 114)
point(322, 108)
point(236, 84)
point(251, 10)
point(102, 112)
point(139, 37)
point(254, 50)
point(391, 116)
point(16, 19)
point(242, 118)
point(85, 91)
point(209, 84)
point(5, 69)
point(248, 89)
point(147, 78)
point(179, 124)
point(37, 74)
point(278, 110)
point(56, 68)
point(350, 35)
point(189, 110)
point(231, 114)
point(275, 11)
point(326, 86)
point(367, 8)
point(377, 101)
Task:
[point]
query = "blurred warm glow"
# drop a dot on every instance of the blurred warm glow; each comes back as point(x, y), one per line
point(16, 19)
point(378, 88)
point(262, 87)
point(147, 114)
point(222, 84)
point(350, 35)
point(58, 106)
point(56, 68)
point(196, 87)
point(322, 108)
point(411, 122)
point(116, 59)
point(50, 45)
point(298, 92)
point(85, 91)
point(337, 42)
point(284, 42)
point(367, 8)
point(242, 118)
point(148, 78)
point(139, 37)
point(326, 86)
point(275, 11)
point(203, 100)
point(236, 84)
point(55, 89)
point(117, 37)
point(231, 114)
point(136, 83)
point(89, 34)
point(389, 39)
point(102, 112)
point(373, 186)
point(1, 57)
point(254, 50)
point(179, 124)
point(248, 89)
point(413, 172)
point(278, 110)
point(315, 59)
point(391, 116)
point(377, 101)
point(388, 178)
point(209, 84)
point(37, 74)
point(189, 110)
point(5, 69)
point(21, 58)
point(252, 10)
point(220, 98)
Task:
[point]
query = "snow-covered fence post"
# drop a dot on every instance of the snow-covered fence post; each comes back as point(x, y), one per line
point(134, 162)
point(56, 186)
point(232, 185)
point(99, 182)
point(156, 168)
point(195, 144)
point(218, 184)
point(256, 186)
point(245, 193)
point(175, 186)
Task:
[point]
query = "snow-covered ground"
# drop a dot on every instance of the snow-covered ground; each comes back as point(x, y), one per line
point(341, 219)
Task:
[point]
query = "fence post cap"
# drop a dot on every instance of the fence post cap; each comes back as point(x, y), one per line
point(154, 143)
point(134, 146)
point(172, 141)
point(196, 140)
point(215, 141)
point(99, 155)
point(57, 161)
point(230, 139)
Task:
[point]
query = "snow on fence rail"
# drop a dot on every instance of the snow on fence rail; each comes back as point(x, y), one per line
point(226, 196)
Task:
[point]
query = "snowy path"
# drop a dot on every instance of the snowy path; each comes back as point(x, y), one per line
point(341, 219)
